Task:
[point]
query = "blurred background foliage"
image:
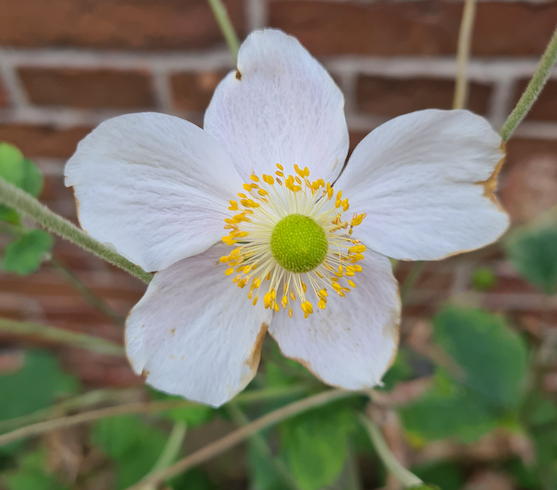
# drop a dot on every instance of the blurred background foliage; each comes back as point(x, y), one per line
point(464, 397)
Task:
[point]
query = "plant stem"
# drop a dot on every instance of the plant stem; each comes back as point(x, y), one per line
point(137, 407)
point(463, 54)
point(532, 90)
point(236, 437)
point(261, 446)
point(411, 278)
point(221, 14)
point(62, 422)
point(351, 475)
point(271, 393)
point(43, 332)
point(404, 476)
point(74, 403)
point(88, 295)
point(25, 204)
point(171, 450)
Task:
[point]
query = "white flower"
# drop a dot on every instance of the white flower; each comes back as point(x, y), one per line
point(163, 192)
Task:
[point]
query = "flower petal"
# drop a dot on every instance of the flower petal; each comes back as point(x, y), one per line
point(281, 106)
point(153, 186)
point(426, 181)
point(352, 342)
point(195, 333)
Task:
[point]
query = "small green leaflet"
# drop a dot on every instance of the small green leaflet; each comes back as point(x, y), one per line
point(37, 385)
point(24, 256)
point(533, 253)
point(493, 357)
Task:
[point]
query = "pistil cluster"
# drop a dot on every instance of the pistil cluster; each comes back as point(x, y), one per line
point(289, 236)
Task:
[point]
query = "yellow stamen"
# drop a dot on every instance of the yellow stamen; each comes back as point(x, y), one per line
point(266, 201)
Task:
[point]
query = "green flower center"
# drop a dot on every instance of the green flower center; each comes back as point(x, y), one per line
point(298, 243)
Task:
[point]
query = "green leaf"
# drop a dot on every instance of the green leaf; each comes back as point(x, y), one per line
point(134, 445)
point(533, 253)
point(448, 409)
point(11, 164)
point(446, 475)
point(9, 215)
point(493, 357)
point(315, 445)
point(35, 386)
point(194, 479)
point(398, 372)
point(191, 416)
point(262, 475)
point(21, 172)
point(524, 476)
point(33, 179)
point(24, 256)
point(32, 474)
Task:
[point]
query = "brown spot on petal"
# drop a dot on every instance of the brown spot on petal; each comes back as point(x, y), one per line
point(77, 210)
point(173, 332)
point(145, 374)
point(238, 75)
point(172, 357)
point(490, 184)
point(255, 355)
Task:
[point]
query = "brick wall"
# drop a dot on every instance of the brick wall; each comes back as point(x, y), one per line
point(65, 65)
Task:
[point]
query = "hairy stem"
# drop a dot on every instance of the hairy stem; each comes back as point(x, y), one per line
point(43, 332)
point(27, 205)
point(221, 14)
point(236, 437)
point(533, 89)
point(404, 476)
point(463, 54)
point(138, 407)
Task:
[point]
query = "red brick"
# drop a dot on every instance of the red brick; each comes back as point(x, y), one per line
point(4, 97)
point(545, 108)
point(49, 283)
point(428, 27)
point(43, 140)
point(529, 184)
point(114, 24)
point(88, 88)
point(193, 91)
point(392, 97)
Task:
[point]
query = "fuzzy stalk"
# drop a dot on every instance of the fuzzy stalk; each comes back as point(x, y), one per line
point(533, 89)
point(27, 205)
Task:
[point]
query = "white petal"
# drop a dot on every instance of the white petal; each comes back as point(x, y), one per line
point(195, 333)
point(352, 342)
point(281, 106)
point(153, 186)
point(426, 181)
